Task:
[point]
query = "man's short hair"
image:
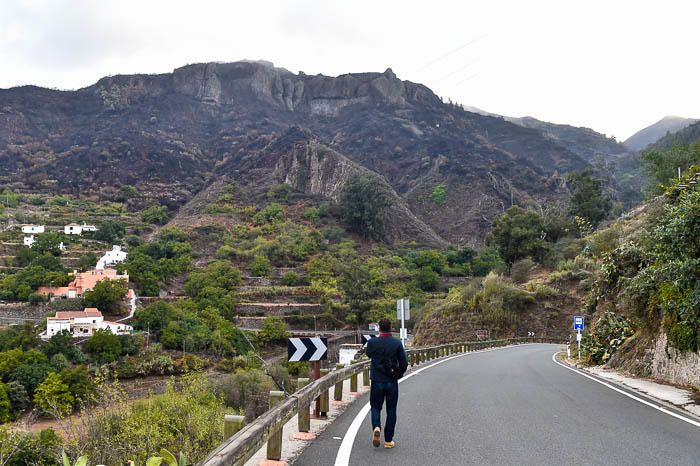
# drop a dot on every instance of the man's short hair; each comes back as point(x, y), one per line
point(385, 326)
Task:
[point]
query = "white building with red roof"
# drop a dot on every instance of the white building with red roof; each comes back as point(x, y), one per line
point(83, 281)
point(82, 324)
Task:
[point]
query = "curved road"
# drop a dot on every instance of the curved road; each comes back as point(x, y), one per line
point(513, 406)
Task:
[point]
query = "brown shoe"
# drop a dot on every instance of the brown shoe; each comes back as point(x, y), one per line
point(375, 436)
point(391, 444)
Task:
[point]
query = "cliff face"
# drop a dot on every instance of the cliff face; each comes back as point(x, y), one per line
point(170, 134)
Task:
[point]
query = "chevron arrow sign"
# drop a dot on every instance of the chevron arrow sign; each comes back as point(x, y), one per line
point(307, 349)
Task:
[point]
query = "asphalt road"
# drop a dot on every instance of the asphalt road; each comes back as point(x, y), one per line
point(513, 406)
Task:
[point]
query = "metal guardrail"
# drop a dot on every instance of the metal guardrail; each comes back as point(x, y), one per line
point(244, 443)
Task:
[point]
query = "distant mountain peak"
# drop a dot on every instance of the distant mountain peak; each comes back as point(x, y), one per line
point(652, 133)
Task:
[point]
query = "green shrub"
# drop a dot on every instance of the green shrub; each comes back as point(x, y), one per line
point(246, 390)
point(292, 279)
point(521, 270)
point(187, 418)
point(608, 334)
point(486, 261)
point(272, 213)
point(28, 448)
point(312, 214)
point(156, 214)
point(260, 267)
point(541, 290)
point(280, 192)
point(682, 336)
point(439, 194)
point(274, 330)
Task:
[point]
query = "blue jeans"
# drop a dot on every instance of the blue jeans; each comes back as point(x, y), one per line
point(379, 391)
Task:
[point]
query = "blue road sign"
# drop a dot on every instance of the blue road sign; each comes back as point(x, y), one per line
point(578, 322)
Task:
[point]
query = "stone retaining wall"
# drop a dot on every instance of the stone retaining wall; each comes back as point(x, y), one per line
point(19, 312)
point(675, 367)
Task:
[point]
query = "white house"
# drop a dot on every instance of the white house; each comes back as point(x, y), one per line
point(29, 240)
point(73, 229)
point(33, 229)
point(82, 324)
point(115, 256)
point(86, 227)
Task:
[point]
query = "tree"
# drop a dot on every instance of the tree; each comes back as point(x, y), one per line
point(517, 234)
point(427, 279)
point(362, 203)
point(661, 165)
point(154, 317)
point(432, 259)
point(274, 330)
point(588, 200)
point(5, 406)
point(48, 242)
point(19, 399)
point(104, 346)
point(358, 289)
point(79, 384)
point(53, 396)
point(87, 261)
point(107, 295)
point(30, 375)
point(109, 231)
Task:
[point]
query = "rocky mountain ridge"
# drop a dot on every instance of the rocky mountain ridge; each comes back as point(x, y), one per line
point(172, 135)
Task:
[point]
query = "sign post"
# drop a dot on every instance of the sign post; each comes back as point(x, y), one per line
point(313, 349)
point(403, 313)
point(578, 326)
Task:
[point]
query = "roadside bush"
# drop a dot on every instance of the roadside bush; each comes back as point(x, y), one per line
point(247, 391)
point(186, 419)
point(19, 448)
point(608, 334)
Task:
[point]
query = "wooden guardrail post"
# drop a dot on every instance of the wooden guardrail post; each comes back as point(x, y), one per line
point(325, 399)
point(232, 424)
point(353, 383)
point(416, 358)
point(274, 443)
point(338, 389)
point(304, 416)
point(365, 377)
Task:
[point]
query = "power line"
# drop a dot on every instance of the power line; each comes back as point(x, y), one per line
point(461, 47)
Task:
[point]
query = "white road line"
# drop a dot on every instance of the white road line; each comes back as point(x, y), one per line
point(343, 456)
point(636, 398)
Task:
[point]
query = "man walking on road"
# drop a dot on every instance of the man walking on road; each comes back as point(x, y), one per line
point(388, 365)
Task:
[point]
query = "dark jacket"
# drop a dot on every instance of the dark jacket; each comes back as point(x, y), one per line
point(377, 348)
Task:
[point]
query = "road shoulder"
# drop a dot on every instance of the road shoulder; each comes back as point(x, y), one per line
point(680, 398)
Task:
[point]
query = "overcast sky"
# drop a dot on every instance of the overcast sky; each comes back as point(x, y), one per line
point(615, 66)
